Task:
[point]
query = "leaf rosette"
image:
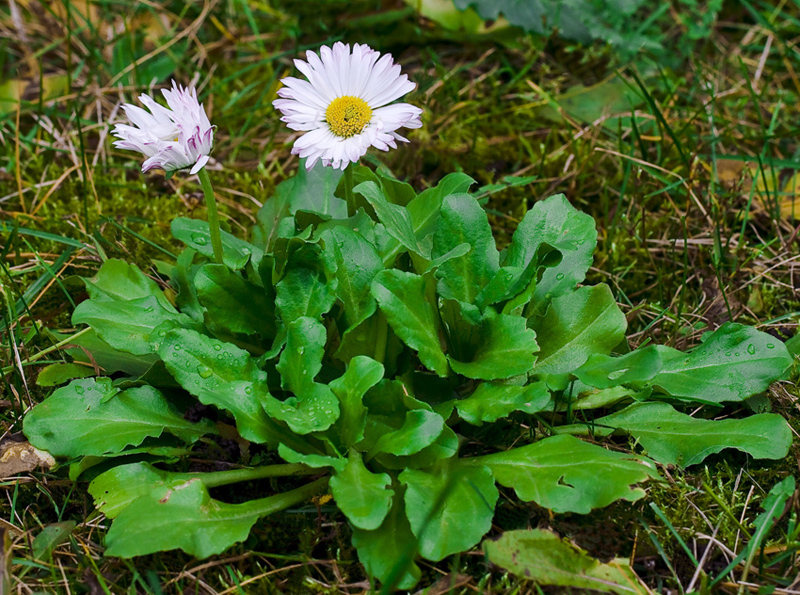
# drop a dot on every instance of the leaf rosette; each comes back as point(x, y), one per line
point(369, 352)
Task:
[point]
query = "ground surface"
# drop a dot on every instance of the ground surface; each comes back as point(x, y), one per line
point(686, 156)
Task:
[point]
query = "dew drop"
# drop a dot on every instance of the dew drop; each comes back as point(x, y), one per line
point(560, 276)
point(79, 390)
point(617, 374)
point(199, 239)
point(301, 350)
point(248, 390)
point(770, 346)
point(751, 349)
point(246, 251)
point(305, 372)
point(217, 347)
point(736, 354)
point(148, 309)
point(580, 242)
point(204, 371)
point(176, 347)
point(727, 354)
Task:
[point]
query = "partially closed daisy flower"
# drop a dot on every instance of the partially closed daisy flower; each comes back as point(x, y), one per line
point(172, 138)
point(344, 106)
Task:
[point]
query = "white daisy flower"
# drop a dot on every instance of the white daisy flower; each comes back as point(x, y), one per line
point(343, 106)
point(173, 138)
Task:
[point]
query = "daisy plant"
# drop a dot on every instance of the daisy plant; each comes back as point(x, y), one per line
point(373, 342)
point(179, 136)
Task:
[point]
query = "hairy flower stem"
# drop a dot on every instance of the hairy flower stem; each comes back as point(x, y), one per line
point(348, 191)
point(221, 478)
point(213, 218)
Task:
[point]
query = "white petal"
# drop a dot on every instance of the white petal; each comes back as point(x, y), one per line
point(201, 163)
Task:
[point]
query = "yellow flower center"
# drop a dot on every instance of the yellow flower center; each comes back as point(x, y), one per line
point(347, 116)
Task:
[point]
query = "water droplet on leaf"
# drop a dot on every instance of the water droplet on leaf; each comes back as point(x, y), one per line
point(199, 239)
point(751, 349)
point(560, 276)
point(204, 371)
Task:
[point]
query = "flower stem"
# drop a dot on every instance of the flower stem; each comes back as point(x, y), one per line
point(213, 218)
point(348, 191)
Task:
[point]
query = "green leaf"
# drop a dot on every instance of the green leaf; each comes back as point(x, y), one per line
point(579, 20)
point(357, 263)
point(313, 191)
point(50, 538)
point(420, 429)
point(118, 487)
point(449, 506)
point(219, 374)
point(388, 551)
point(603, 371)
point(555, 222)
point(506, 347)
point(273, 216)
point(119, 281)
point(396, 218)
point(182, 279)
point(444, 447)
point(184, 517)
point(576, 326)
point(396, 191)
point(364, 497)
point(92, 417)
point(301, 361)
point(127, 325)
point(424, 209)
point(674, 438)
point(109, 359)
point(314, 407)
point(409, 308)
point(566, 474)
point(56, 374)
point(234, 304)
point(236, 253)
point(732, 363)
point(462, 220)
point(492, 401)
point(308, 287)
point(543, 557)
point(362, 340)
point(311, 460)
point(362, 374)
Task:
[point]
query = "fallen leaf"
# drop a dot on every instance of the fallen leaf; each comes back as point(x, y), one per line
point(22, 457)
